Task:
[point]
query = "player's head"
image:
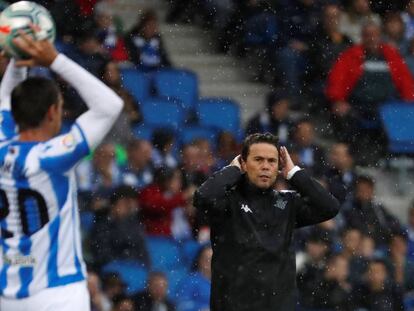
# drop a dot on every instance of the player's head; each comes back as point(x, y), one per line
point(260, 157)
point(37, 103)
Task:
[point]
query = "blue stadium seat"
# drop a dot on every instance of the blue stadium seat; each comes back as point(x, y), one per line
point(164, 253)
point(159, 112)
point(175, 276)
point(220, 113)
point(178, 84)
point(143, 131)
point(190, 133)
point(133, 273)
point(189, 251)
point(398, 120)
point(136, 82)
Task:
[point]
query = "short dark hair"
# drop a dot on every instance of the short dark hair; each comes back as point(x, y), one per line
point(258, 138)
point(30, 101)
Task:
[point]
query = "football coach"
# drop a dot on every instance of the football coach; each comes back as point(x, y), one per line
point(252, 225)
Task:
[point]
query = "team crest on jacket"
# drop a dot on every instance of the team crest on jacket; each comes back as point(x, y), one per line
point(280, 204)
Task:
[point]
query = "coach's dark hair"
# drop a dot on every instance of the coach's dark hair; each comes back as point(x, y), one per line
point(30, 101)
point(258, 138)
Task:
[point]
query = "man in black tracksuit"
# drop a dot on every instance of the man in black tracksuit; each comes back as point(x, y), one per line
point(253, 265)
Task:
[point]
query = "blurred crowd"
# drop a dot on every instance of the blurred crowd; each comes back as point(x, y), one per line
point(332, 60)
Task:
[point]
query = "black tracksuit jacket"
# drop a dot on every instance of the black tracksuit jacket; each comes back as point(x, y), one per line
point(253, 265)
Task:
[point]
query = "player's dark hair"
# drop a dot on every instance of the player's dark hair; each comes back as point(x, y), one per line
point(30, 101)
point(258, 138)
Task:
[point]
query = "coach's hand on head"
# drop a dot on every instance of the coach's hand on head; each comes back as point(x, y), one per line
point(286, 164)
point(41, 52)
point(237, 162)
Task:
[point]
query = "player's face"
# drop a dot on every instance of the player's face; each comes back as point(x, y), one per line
point(261, 165)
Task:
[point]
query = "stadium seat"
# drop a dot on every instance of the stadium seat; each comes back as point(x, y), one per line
point(133, 273)
point(178, 84)
point(136, 82)
point(189, 251)
point(398, 120)
point(143, 131)
point(190, 133)
point(159, 112)
point(220, 113)
point(164, 253)
point(175, 276)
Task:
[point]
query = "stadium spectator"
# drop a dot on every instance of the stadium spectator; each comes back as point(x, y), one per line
point(377, 292)
point(89, 53)
point(409, 58)
point(191, 166)
point(144, 44)
point(207, 160)
point(274, 119)
point(363, 77)
point(371, 218)
point(194, 292)
point(102, 173)
point(332, 293)
point(99, 301)
point(159, 199)
point(163, 141)
point(123, 303)
point(325, 47)
point(109, 32)
point(121, 133)
point(402, 269)
point(311, 274)
point(227, 148)
point(113, 285)
point(299, 25)
point(408, 19)
point(139, 170)
point(410, 251)
point(119, 236)
point(340, 173)
point(155, 297)
point(393, 26)
point(358, 14)
point(311, 154)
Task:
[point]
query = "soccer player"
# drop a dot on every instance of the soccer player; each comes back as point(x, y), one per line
point(41, 265)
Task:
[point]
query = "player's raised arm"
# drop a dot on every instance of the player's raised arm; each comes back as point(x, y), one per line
point(104, 105)
point(12, 77)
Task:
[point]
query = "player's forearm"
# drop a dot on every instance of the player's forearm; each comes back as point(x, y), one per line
point(11, 78)
point(104, 105)
point(95, 93)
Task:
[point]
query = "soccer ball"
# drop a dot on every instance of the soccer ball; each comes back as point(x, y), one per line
point(19, 16)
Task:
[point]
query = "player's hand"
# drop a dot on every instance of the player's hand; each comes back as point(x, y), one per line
point(40, 52)
point(286, 163)
point(237, 162)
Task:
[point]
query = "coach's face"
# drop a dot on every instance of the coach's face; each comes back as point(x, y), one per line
point(261, 165)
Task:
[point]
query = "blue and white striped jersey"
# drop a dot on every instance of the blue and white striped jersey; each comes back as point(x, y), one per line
point(39, 220)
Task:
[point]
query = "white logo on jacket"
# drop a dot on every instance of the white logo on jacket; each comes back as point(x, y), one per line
point(246, 208)
point(281, 204)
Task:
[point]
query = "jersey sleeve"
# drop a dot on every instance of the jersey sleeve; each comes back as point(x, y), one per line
point(104, 105)
point(62, 152)
point(11, 78)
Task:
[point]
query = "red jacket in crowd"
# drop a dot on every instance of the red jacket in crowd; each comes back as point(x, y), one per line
point(347, 70)
point(157, 209)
